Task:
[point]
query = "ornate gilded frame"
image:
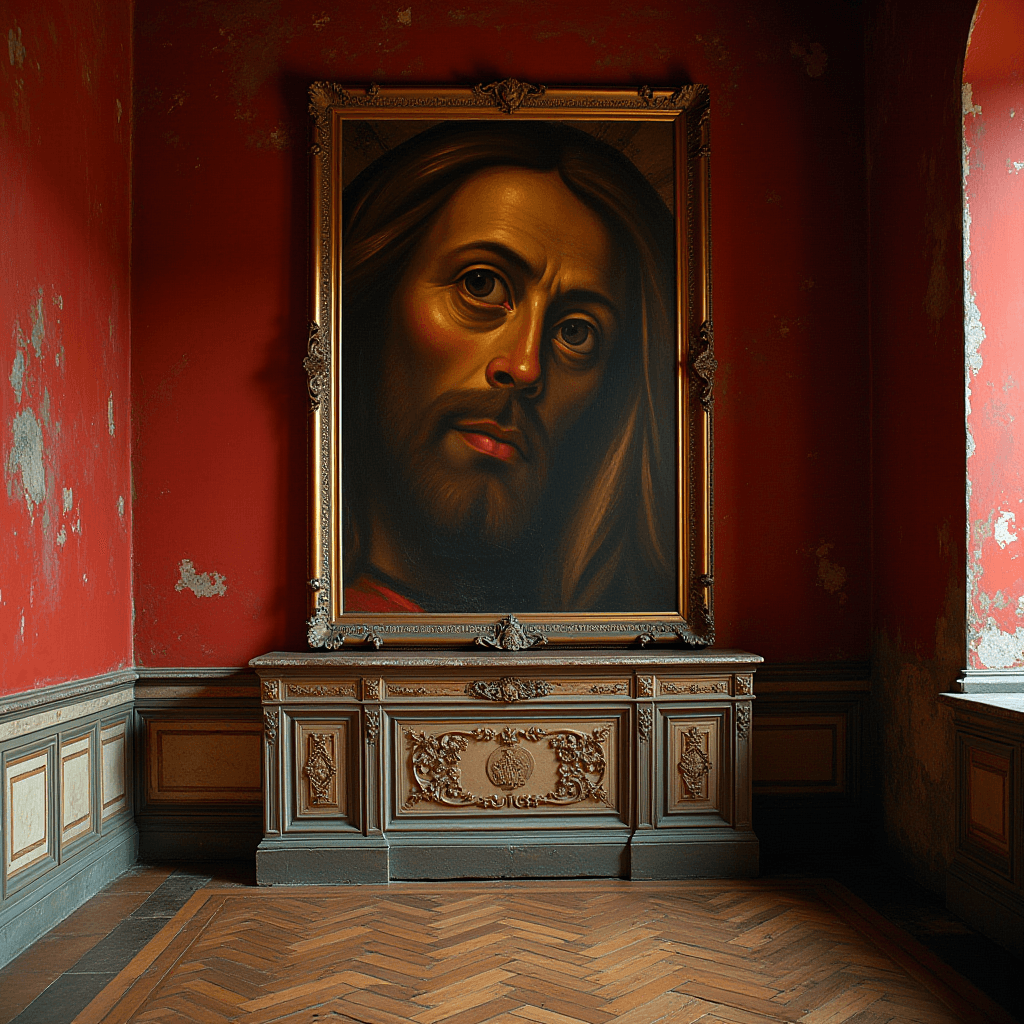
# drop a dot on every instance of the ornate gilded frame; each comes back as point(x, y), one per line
point(687, 109)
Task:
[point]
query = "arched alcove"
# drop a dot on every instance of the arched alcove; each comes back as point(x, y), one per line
point(993, 181)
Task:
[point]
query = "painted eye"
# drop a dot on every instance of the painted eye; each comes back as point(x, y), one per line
point(578, 336)
point(486, 286)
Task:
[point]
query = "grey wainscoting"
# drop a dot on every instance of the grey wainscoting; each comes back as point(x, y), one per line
point(198, 778)
point(66, 802)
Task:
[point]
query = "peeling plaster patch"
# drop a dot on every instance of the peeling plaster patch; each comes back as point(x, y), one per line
point(1020, 605)
point(1014, 166)
point(62, 537)
point(405, 16)
point(44, 408)
point(38, 318)
point(814, 57)
point(17, 377)
point(117, 103)
point(68, 497)
point(997, 649)
point(21, 631)
point(110, 414)
point(830, 575)
point(15, 47)
point(76, 526)
point(1002, 529)
point(27, 455)
point(204, 584)
point(120, 504)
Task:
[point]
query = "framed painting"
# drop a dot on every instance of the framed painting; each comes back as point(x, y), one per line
point(510, 366)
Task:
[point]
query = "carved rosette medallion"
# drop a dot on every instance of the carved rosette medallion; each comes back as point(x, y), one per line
point(508, 689)
point(270, 689)
point(511, 635)
point(371, 689)
point(319, 768)
point(694, 765)
point(510, 767)
point(744, 685)
point(645, 686)
point(435, 760)
point(742, 720)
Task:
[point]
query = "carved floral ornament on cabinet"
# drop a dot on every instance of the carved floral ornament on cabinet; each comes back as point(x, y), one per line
point(497, 446)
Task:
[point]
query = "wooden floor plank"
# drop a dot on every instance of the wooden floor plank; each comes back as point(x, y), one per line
point(547, 953)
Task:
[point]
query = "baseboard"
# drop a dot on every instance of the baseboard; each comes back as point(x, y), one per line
point(181, 837)
point(990, 909)
point(694, 853)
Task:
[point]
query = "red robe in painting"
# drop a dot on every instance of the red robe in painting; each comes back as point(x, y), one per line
point(369, 595)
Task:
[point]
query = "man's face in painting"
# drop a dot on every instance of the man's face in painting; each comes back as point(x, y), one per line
point(500, 332)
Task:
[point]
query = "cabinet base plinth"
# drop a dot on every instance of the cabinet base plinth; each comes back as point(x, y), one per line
point(299, 861)
point(700, 853)
point(508, 855)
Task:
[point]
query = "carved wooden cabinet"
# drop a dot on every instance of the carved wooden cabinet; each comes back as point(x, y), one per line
point(571, 764)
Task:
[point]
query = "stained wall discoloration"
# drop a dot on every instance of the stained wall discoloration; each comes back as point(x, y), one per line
point(217, 419)
point(64, 345)
point(919, 521)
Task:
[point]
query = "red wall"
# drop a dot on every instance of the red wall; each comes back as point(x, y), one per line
point(994, 228)
point(917, 352)
point(65, 512)
point(220, 292)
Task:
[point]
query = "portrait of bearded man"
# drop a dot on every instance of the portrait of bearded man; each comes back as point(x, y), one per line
point(508, 377)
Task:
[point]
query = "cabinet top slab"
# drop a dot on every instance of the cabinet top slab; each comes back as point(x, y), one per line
point(649, 659)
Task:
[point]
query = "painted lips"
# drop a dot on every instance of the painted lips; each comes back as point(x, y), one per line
point(491, 439)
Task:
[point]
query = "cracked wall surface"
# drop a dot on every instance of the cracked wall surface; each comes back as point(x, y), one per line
point(220, 290)
point(65, 588)
point(993, 219)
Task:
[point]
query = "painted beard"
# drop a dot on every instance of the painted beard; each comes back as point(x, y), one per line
point(468, 474)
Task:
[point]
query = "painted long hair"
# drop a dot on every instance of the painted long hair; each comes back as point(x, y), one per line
point(616, 551)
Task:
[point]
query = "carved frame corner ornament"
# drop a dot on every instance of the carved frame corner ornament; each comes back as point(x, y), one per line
point(322, 632)
point(645, 686)
point(319, 768)
point(509, 94)
point(508, 689)
point(371, 688)
point(271, 689)
point(270, 725)
point(511, 635)
point(694, 764)
point(744, 685)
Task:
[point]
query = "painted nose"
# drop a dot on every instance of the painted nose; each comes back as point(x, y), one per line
point(519, 365)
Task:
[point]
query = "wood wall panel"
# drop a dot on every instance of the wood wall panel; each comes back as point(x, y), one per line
point(202, 761)
point(114, 747)
point(804, 753)
point(76, 788)
point(28, 791)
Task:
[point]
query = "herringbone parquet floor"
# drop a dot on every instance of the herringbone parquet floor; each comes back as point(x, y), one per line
point(546, 952)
